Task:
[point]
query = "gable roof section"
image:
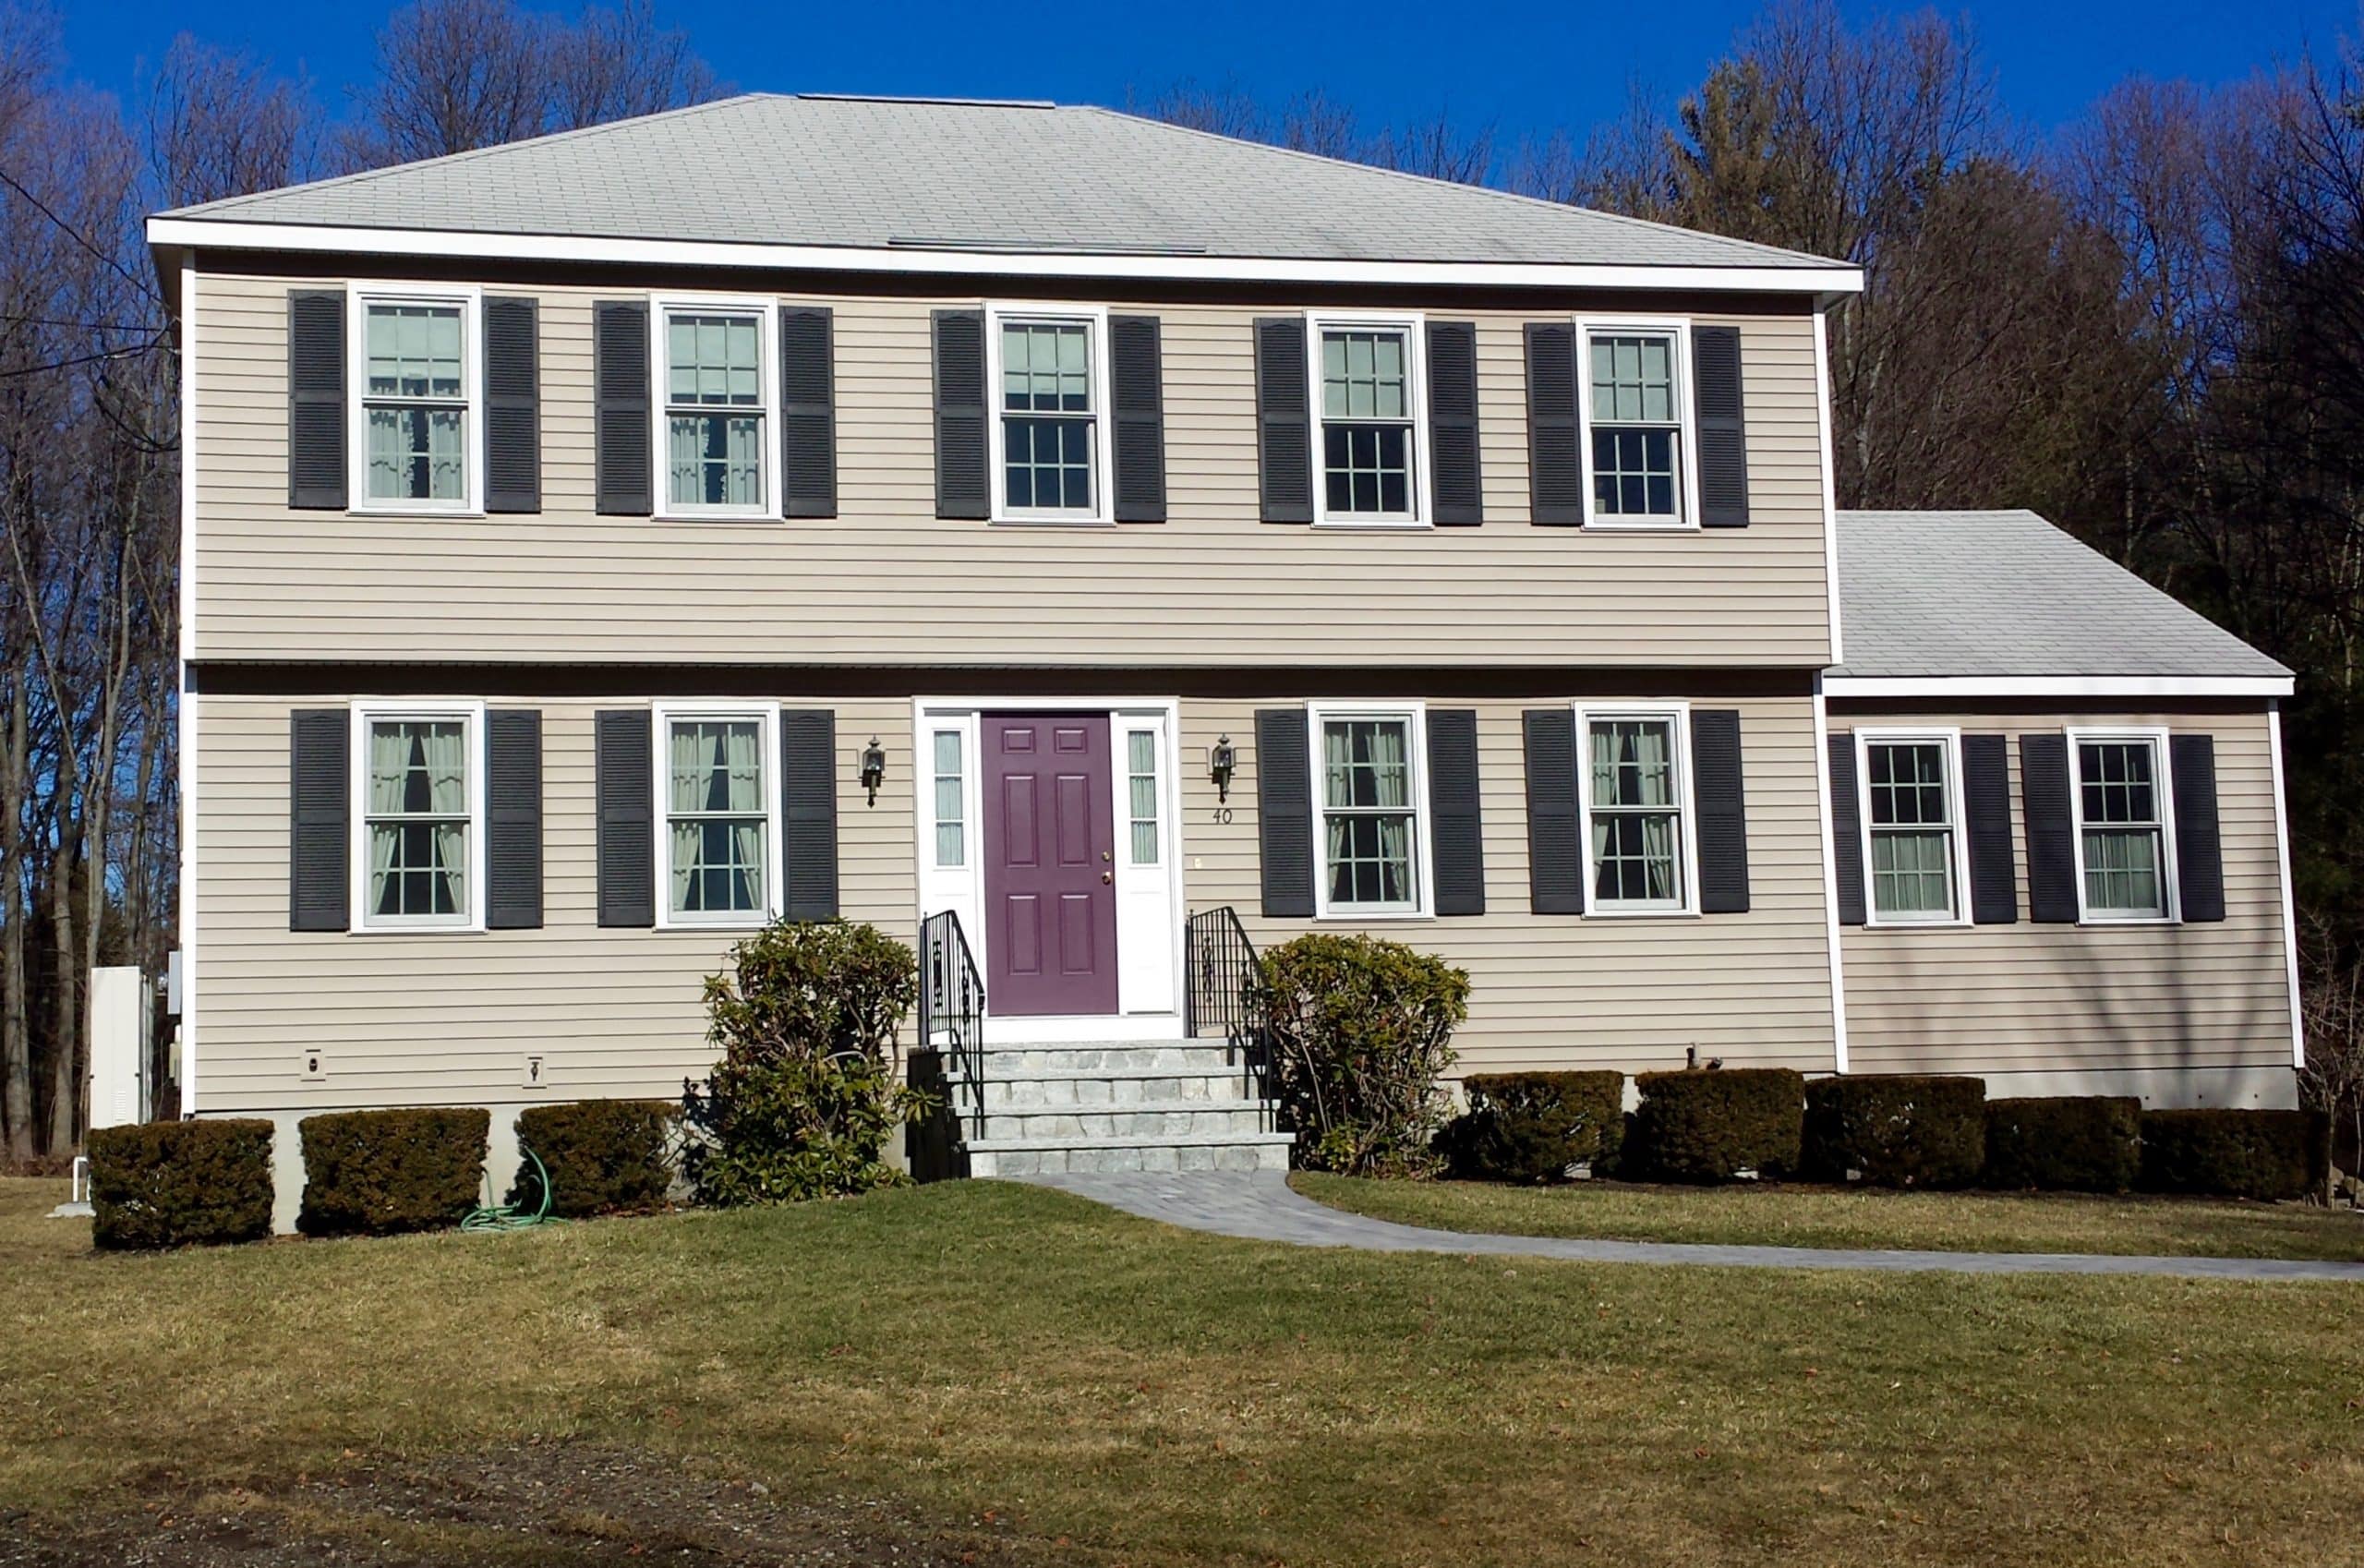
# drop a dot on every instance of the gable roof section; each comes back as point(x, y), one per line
point(2007, 596)
point(916, 176)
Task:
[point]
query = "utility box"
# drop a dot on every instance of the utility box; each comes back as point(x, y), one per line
point(120, 1017)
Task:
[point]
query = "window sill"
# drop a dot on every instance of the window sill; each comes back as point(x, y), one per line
point(471, 929)
point(1052, 520)
point(2110, 923)
point(1598, 913)
point(457, 515)
point(1361, 917)
point(1951, 923)
point(1603, 525)
point(1375, 524)
point(676, 925)
point(712, 517)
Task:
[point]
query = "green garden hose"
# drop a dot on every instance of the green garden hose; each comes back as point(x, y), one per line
point(507, 1216)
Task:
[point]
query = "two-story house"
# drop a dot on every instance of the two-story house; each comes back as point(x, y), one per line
point(834, 506)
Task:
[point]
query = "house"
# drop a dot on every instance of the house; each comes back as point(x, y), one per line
point(1085, 526)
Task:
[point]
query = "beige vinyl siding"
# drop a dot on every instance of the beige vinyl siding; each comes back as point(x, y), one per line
point(2086, 998)
point(886, 582)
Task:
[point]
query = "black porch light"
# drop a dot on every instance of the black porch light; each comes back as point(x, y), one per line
point(1220, 759)
point(873, 767)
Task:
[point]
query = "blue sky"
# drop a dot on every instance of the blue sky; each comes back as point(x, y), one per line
point(1522, 69)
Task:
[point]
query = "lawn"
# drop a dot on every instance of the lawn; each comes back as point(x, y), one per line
point(981, 1372)
point(1825, 1216)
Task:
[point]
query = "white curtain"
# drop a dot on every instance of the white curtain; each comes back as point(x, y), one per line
point(717, 771)
point(386, 452)
point(445, 753)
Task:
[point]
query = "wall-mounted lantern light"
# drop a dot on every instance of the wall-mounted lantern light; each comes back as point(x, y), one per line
point(873, 767)
point(1220, 759)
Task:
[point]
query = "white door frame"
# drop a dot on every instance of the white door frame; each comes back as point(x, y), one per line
point(962, 888)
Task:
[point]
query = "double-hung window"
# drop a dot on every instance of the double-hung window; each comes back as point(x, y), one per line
point(719, 845)
point(1367, 393)
point(1634, 795)
point(420, 858)
point(2126, 871)
point(1366, 795)
point(1051, 439)
point(416, 409)
point(715, 411)
point(1913, 828)
point(1637, 425)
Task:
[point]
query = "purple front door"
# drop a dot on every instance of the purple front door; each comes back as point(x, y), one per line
point(1050, 847)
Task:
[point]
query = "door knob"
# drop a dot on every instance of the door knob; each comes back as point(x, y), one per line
point(1103, 854)
point(1108, 876)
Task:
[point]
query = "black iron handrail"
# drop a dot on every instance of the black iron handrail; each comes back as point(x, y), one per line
point(1223, 992)
point(952, 1010)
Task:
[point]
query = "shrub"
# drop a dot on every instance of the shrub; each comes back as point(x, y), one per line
point(1530, 1127)
point(376, 1172)
point(804, 1095)
point(1896, 1129)
point(2238, 1154)
point(603, 1156)
point(1711, 1124)
point(180, 1184)
point(2079, 1143)
point(1361, 1032)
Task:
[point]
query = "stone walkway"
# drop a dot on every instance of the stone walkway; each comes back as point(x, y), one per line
point(1262, 1206)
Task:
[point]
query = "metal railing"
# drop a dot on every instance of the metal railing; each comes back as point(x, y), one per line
point(952, 1011)
point(1223, 992)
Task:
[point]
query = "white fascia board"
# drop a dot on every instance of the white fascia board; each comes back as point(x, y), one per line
point(2056, 685)
point(218, 235)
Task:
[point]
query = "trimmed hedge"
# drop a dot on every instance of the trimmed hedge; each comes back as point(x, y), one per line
point(2273, 1154)
point(604, 1156)
point(1711, 1124)
point(180, 1184)
point(1361, 1033)
point(377, 1173)
point(1896, 1129)
point(2075, 1143)
point(1530, 1127)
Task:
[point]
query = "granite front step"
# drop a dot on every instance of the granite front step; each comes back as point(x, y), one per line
point(1100, 1089)
point(1129, 1058)
point(1234, 1118)
point(1029, 1156)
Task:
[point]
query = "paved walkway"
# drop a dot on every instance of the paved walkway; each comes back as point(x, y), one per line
point(1263, 1207)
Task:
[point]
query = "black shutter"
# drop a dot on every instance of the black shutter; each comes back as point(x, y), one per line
point(624, 483)
point(1285, 811)
point(1455, 834)
point(808, 420)
point(960, 478)
point(1986, 811)
point(2051, 847)
point(320, 786)
point(1555, 851)
point(808, 782)
point(1555, 469)
point(316, 401)
point(2199, 851)
point(1723, 445)
point(512, 810)
point(512, 404)
point(1452, 422)
point(1283, 421)
point(1716, 790)
point(624, 787)
point(1137, 403)
point(1846, 829)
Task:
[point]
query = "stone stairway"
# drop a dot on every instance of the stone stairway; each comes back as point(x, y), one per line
point(1093, 1107)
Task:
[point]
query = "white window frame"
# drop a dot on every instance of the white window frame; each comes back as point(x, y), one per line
point(471, 716)
point(1687, 851)
point(766, 313)
point(470, 299)
point(1103, 423)
point(1414, 326)
point(1415, 713)
point(1686, 403)
point(662, 717)
point(963, 730)
point(1958, 861)
point(2161, 786)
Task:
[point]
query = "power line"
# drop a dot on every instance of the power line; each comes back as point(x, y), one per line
point(76, 234)
point(82, 359)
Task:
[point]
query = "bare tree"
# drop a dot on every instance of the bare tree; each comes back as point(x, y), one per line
point(220, 124)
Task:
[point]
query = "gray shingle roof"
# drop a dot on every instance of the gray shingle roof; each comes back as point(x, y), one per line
point(876, 173)
point(2009, 594)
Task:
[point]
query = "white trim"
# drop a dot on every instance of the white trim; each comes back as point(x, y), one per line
point(1687, 419)
point(768, 443)
point(2162, 791)
point(1416, 759)
point(661, 715)
point(1005, 1031)
point(188, 480)
point(1957, 829)
point(2058, 685)
point(469, 297)
point(212, 233)
point(1148, 979)
point(1688, 849)
point(2282, 863)
point(185, 748)
point(1103, 422)
point(1829, 480)
point(472, 747)
point(1413, 324)
point(1829, 879)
